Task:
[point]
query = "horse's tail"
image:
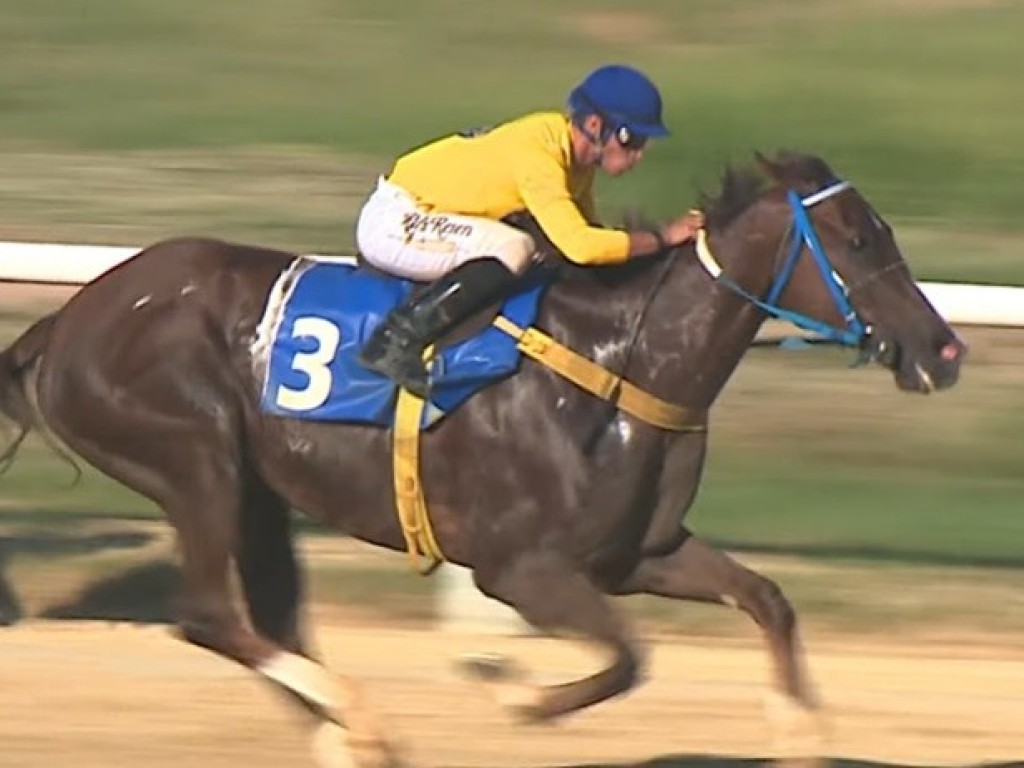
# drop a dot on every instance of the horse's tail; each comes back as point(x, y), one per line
point(17, 363)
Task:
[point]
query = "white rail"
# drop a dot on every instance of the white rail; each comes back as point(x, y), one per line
point(960, 304)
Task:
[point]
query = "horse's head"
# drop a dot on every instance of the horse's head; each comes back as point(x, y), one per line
point(838, 262)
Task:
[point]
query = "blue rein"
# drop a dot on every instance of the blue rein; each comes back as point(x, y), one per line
point(804, 234)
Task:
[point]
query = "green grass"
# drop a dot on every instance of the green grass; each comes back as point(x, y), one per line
point(918, 103)
point(832, 512)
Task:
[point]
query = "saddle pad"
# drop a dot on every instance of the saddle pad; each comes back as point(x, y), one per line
point(319, 315)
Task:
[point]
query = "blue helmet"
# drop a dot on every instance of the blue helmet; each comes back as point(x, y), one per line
point(623, 97)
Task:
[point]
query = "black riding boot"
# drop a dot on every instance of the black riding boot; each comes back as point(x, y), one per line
point(395, 349)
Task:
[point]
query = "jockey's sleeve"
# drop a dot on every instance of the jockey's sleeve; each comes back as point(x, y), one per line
point(544, 189)
point(585, 201)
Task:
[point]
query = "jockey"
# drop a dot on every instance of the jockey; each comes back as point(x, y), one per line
point(437, 216)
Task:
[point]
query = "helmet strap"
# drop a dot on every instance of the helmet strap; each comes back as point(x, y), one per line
point(596, 140)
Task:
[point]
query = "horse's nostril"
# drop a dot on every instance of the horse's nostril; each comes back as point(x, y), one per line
point(950, 352)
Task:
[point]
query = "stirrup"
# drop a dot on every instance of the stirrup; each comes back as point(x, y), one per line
point(416, 385)
point(385, 353)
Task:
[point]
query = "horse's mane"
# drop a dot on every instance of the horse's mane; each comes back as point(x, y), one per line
point(739, 188)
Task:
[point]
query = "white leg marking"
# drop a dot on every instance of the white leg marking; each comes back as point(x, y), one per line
point(306, 678)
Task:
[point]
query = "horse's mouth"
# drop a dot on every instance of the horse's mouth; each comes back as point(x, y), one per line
point(925, 384)
point(942, 373)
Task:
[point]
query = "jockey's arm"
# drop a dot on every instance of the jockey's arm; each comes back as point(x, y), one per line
point(585, 201)
point(567, 223)
point(543, 188)
point(641, 243)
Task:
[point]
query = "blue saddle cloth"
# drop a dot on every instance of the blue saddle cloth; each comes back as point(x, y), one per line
point(328, 312)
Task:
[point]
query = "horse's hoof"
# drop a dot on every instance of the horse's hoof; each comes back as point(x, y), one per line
point(329, 749)
point(801, 732)
point(527, 712)
point(489, 668)
point(336, 747)
point(507, 684)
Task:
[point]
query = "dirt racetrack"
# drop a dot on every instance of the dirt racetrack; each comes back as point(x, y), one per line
point(98, 694)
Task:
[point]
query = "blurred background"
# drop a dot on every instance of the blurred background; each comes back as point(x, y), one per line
point(880, 513)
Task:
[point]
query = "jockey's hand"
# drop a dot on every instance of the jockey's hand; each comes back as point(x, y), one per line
point(684, 228)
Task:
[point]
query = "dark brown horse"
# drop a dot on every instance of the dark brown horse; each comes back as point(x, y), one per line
point(152, 374)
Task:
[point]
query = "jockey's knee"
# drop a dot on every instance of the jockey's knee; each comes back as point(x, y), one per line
point(517, 253)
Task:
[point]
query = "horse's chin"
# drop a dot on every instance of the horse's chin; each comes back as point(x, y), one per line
point(917, 378)
point(918, 370)
point(918, 381)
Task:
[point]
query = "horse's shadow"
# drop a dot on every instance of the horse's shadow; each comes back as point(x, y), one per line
point(710, 761)
point(141, 593)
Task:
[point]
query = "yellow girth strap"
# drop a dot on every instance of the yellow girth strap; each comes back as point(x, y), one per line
point(590, 376)
point(424, 552)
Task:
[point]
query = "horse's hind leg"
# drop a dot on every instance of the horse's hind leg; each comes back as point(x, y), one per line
point(194, 467)
point(553, 595)
point(268, 568)
point(696, 571)
point(272, 586)
point(197, 479)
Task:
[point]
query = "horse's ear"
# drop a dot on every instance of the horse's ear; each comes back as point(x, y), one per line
point(768, 165)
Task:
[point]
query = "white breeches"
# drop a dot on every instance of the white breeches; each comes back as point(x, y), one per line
point(397, 237)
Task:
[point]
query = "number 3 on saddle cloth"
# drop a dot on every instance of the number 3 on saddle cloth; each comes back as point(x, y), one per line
point(318, 316)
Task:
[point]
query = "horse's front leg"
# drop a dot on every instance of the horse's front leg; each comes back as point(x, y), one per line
point(551, 592)
point(697, 571)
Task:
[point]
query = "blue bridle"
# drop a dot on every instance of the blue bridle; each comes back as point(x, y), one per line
point(803, 234)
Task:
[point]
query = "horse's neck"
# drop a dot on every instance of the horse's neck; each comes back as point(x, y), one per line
point(693, 334)
point(716, 325)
